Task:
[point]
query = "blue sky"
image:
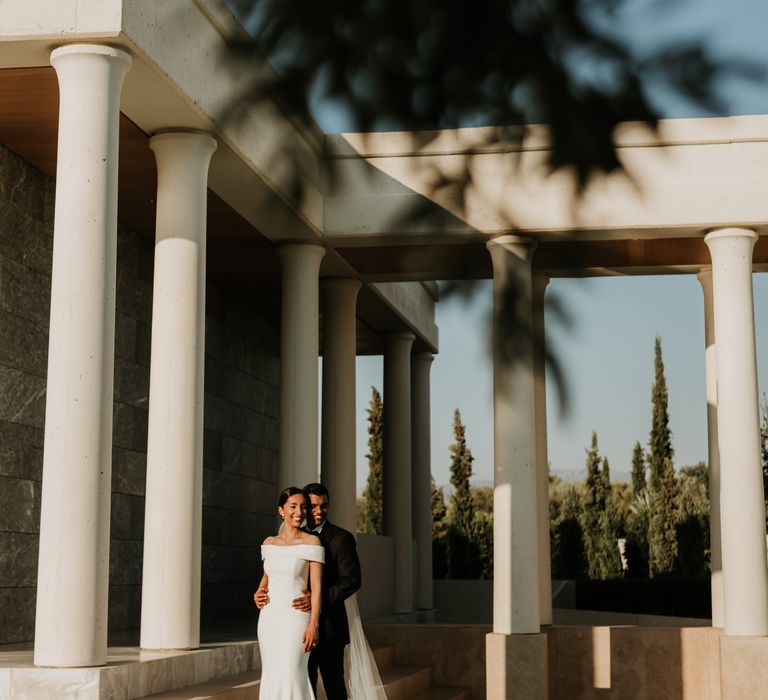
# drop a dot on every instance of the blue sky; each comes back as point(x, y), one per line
point(608, 355)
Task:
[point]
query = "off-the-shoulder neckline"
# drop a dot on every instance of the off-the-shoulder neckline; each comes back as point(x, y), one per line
point(289, 546)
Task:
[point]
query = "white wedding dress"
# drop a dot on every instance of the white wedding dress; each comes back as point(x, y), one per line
point(283, 661)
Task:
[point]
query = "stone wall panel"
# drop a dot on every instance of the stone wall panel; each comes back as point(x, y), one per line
point(18, 559)
point(21, 451)
point(125, 337)
point(129, 472)
point(19, 505)
point(126, 517)
point(17, 615)
point(125, 558)
point(25, 292)
point(23, 239)
point(22, 397)
point(131, 384)
point(129, 427)
point(23, 345)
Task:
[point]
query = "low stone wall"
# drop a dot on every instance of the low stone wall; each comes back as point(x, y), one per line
point(627, 663)
point(597, 662)
point(464, 601)
point(241, 402)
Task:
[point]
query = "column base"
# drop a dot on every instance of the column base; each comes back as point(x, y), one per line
point(743, 669)
point(516, 667)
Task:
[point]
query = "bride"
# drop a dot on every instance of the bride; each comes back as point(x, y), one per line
point(286, 635)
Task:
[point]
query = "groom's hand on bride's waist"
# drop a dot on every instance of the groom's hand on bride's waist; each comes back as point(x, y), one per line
point(303, 602)
point(261, 597)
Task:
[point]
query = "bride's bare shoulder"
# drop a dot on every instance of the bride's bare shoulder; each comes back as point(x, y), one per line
point(312, 539)
point(269, 540)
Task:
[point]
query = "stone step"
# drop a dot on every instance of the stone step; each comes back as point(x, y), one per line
point(406, 682)
point(400, 683)
point(244, 686)
point(385, 657)
point(444, 694)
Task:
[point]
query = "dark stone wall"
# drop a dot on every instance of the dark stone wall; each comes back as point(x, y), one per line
point(240, 442)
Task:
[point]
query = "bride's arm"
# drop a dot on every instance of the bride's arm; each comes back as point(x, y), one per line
point(310, 636)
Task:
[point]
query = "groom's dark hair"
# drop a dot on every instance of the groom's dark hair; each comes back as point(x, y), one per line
point(316, 489)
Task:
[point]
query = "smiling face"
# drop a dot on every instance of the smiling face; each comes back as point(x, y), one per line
point(318, 509)
point(294, 510)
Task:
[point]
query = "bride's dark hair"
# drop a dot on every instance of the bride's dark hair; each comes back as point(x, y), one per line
point(286, 493)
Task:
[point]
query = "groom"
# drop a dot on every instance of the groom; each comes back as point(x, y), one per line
point(341, 578)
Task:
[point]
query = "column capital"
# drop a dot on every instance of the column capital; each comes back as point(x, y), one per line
point(733, 232)
point(110, 52)
point(399, 337)
point(521, 247)
point(285, 250)
point(188, 137)
point(423, 356)
point(704, 273)
point(346, 284)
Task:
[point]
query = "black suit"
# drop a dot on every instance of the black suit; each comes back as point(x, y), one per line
point(341, 578)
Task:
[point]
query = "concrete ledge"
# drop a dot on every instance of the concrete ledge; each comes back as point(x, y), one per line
point(516, 666)
point(129, 674)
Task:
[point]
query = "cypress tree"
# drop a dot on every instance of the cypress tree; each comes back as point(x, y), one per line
point(438, 511)
point(638, 469)
point(611, 526)
point(439, 564)
point(636, 546)
point(462, 503)
point(591, 511)
point(693, 521)
point(372, 521)
point(605, 482)
point(598, 518)
point(569, 559)
point(662, 534)
point(463, 553)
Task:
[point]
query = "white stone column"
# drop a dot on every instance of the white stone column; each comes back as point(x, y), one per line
point(338, 445)
point(542, 462)
point(745, 570)
point(170, 600)
point(299, 348)
point(421, 476)
point(515, 502)
point(73, 569)
point(715, 561)
point(397, 464)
